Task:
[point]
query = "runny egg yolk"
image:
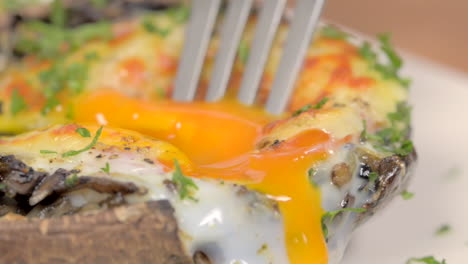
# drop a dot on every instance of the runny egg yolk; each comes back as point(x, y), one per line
point(220, 139)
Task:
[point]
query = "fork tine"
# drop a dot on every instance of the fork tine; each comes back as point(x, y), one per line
point(307, 13)
point(270, 16)
point(197, 36)
point(234, 24)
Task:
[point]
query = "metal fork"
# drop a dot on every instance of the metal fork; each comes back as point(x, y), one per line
point(198, 33)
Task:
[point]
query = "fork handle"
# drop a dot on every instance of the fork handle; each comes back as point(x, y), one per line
point(233, 26)
point(305, 19)
point(265, 31)
point(197, 37)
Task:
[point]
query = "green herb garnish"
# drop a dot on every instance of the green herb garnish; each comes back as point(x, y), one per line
point(152, 28)
point(368, 53)
point(59, 77)
point(179, 14)
point(76, 76)
point(373, 176)
point(45, 151)
point(407, 195)
point(392, 68)
point(332, 32)
point(2, 186)
point(426, 260)
point(84, 33)
point(243, 51)
point(329, 216)
point(308, 107)
point(84, 132)
point(43, 40)
point(394, 138)
point(443, 230)
point(185, 185)
point(405, 149)
point(93, 142)
point(106, 169)
point(51, 41)
point(58, 15)
point(71, 181)
point(50, 104)
point(17, 103)
point(386, 46)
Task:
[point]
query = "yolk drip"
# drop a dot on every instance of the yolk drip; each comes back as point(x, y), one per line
point(282, 174)
point(220, 138)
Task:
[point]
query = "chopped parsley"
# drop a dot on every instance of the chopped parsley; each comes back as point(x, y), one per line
point(392, 68)
point(332, 32)
point(50, 104)
point(367, 53)
point(185, 185)
point(329, 216)
point(59, 77)
point(17, 103)
point(54, 40)
point(106, 169)
point(84, 33)
point(243, 51)
point(88, 147)
point(75, 77)
point(2, 186)
point(373, 176)
point(152, 28)
point(426, 260)
point(84, 132)
point(393, 139)
point(58, 16)
point(407, 195)
point(71, 181)
point(443, 230)
point(308, 107)
point(45, 151)
point(179, 14)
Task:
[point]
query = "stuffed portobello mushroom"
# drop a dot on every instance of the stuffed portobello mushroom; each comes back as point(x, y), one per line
point(98, 165)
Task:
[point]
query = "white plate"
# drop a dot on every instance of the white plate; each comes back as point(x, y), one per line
point(407, 228)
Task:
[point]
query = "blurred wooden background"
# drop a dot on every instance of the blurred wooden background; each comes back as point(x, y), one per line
point(437, 29)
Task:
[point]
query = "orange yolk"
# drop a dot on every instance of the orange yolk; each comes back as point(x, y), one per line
point(220, 139)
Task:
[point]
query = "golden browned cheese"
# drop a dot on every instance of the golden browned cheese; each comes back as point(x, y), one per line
point(142, 65)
